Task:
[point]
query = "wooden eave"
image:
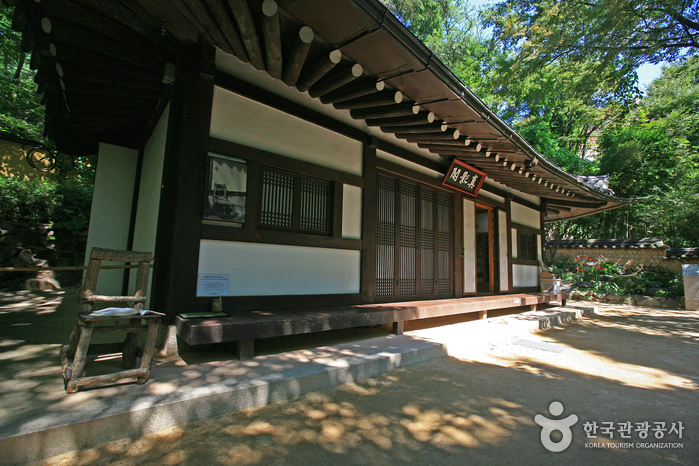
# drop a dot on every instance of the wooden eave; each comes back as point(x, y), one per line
point(100, 66)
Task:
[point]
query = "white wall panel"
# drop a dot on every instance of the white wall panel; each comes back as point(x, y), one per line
point(351, 212)
point(110, 214)
point(149, 194)
point(238, 119)
point(525, 275)
point(525, 216)
point(469, 246)
point(268, 269)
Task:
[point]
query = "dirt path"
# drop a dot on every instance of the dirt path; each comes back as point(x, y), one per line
point(476, 407)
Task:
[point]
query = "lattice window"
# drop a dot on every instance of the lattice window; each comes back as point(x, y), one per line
point(297, 203)
point(277, 200)
point(526, 246)
point(385, 236)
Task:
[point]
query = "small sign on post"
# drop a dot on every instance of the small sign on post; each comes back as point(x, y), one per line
point(464, 178)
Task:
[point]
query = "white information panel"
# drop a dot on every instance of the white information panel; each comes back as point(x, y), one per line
point(213, 284)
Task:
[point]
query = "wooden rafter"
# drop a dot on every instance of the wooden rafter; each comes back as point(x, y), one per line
point(353, 91)
point(223, 18)
point(336, 81)
point(299, 52)
point(248, 32)
point(271, 32)
point(318, 70)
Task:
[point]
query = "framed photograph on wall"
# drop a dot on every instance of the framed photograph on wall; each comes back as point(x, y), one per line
point(226, 190)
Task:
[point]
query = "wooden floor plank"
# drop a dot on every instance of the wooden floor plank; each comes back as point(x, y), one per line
point(272, 323)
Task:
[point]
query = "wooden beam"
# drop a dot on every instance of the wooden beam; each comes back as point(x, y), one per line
point(99, 90)
point(112, 20)
point(417, 129)
point(386, 111)
point(248, 32)
point(338, 80)
point(229, 32)
point(388, 97)
point(436, 140)
point(354, 91)
point(419, 119)
point(89, 74)
point(148, 26)
point(569, 203)
point(198, 15)
point(318, 70)
point(299, 52)
point(451, 135)
point(63, 33)
point(271, 33)
point(68, 54)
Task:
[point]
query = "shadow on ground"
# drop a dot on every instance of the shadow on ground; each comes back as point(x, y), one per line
point(475, 407)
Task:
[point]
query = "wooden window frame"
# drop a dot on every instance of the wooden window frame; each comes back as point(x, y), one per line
point(251, 231)
point(296, 203)
point(527, 249)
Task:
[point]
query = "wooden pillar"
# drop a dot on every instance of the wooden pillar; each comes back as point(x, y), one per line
point(184, 176)
point(368, 268)
point(542, 219)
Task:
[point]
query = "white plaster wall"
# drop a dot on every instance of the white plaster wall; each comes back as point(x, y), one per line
point(502, 235)
point(489, 195)
point(268, 269)
point(383, 155)
point(469, 247)
point(525, 216)
point(238, 119)
point(515, 243)
point(146, 227)
point(525, 275)
point(351, 212)
point(110, 214)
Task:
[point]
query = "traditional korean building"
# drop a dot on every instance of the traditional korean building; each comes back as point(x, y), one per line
point(293, 155)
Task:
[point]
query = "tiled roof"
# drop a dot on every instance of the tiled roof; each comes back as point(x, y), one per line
point(682, 253)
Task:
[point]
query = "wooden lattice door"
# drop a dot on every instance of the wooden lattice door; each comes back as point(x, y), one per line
point(414, 240)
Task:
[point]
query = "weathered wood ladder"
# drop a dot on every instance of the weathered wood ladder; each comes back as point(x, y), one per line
point(74, 354)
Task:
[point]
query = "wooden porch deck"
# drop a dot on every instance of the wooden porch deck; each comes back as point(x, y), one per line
point(247, 326)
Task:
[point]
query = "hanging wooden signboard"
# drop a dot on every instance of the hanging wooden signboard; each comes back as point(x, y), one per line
point(464, 178)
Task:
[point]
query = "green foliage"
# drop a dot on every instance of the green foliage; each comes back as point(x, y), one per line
point(30, 201)
point(21, 112)
point(454, 31)
point(616, 35)
point(623, 283)
point(539, 135)
point(60, 203)
point(606, 288)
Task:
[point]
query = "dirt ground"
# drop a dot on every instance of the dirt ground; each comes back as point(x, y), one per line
point(477, 406)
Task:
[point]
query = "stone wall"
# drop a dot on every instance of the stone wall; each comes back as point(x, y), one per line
point(653, 258)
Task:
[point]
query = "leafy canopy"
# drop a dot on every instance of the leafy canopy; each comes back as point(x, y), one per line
point(617, 34)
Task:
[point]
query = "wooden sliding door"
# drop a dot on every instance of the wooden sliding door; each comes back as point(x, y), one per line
point(414, 237)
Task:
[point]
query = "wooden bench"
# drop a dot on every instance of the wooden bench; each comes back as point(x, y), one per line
point(245, 327)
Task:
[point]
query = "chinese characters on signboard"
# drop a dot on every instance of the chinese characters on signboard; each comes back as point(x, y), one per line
point(464, 178)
